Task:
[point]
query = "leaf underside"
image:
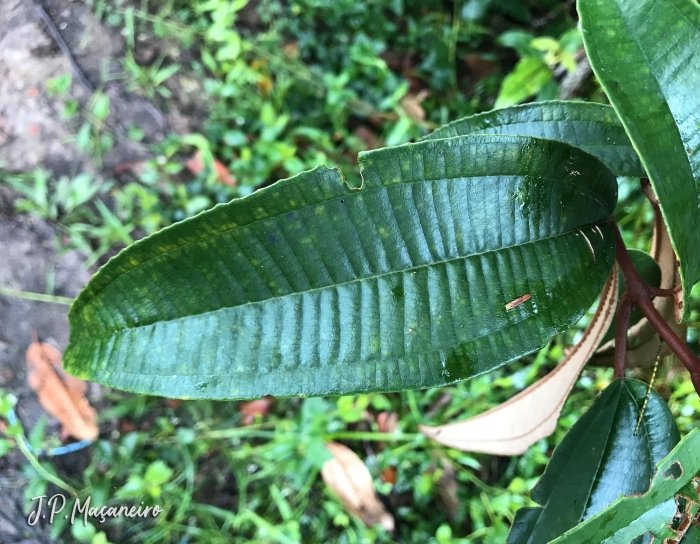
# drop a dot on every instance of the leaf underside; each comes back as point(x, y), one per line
point(645, 55)
point(309, 287)
point(595, 128)
point(598, 460)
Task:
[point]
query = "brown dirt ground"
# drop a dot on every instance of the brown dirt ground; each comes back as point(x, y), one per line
point(33, 134)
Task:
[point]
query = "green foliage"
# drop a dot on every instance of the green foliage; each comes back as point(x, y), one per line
point(59, 85)
point(533, 74)
point(292, 85)
point(633, 516)
point(311, 249)
point(603, 456)
point(270, 468)
point(73, 206)
point(593, 127)
point(656, 102)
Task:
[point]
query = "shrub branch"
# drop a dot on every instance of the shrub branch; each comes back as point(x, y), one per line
point(639, 293)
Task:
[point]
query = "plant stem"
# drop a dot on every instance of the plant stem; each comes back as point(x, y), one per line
point(413, 406)
point(382, 437)
point(658, 292)
point(624, 311)
point(639, 293)
point(22, 444)
point(39, 297)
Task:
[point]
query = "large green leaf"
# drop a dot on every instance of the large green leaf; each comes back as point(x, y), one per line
point(309, 288)
point(654, 511)
point(646, 56)
point(595, 128)
point(598, 460)
point(692, 536)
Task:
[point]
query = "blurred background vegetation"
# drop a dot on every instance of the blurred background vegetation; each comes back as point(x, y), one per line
point(284, 86)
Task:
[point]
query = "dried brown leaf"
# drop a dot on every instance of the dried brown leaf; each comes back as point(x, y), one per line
point(389, 475)
point(512, 427)
point(250, 410)
point(368, 137)
point(61, 395)
point(387, 422)
point(411, 104)
point(349, 478)
point(479, 66)
point(173, 403)
point(195, 164)
point(447, 488)
point(291, 49)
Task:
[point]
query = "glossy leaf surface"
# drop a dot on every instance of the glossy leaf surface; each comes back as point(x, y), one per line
point(655, 511)
point(513, 426)
point(645, 55)
point(595, 128)
point(597, 461)
point(311, 288)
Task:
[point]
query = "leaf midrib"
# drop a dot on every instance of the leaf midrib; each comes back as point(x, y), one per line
point(334, 285)
point(79, 304)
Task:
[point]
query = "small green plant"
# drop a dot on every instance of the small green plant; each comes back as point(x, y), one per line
point(75, 207)
point(94, 136)
point(533, 74)
point(149, 79)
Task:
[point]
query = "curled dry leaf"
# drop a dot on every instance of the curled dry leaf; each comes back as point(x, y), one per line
point(250, 410)
point(512, 427)
point(61, 395)
point(195, 164)
point(389, 475)
point(447, 489)
point(411, 104)
point(387, 422)
point(350, 479)
point(479, 66)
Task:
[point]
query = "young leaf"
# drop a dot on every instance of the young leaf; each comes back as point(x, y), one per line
point(309, 287)
point(512, 427)
point(349, 478)
point(598, 460)
point(652, 511)
point(526, 79)
point(595, 128)
point(644, 53)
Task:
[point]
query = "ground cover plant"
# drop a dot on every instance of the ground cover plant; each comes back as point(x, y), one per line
point(441, 262)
